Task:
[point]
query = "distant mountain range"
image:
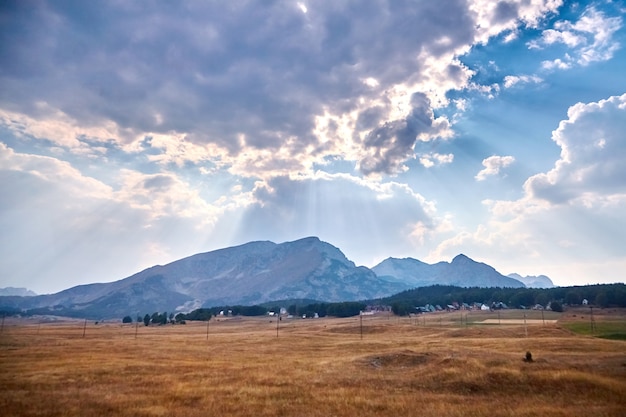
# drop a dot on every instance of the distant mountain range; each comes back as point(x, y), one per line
point(531, 281)
point(254, 273)
point(462, 272)
point(21, 292)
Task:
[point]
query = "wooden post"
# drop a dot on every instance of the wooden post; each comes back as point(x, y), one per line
point(277, 323)
point(542, 317)
point(2, 327)
point(207, 328)
point(361, 320)
point(84, 328)
point(136, 327)
point(525, 327)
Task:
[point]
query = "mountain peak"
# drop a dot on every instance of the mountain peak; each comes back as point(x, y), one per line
point(461, 258)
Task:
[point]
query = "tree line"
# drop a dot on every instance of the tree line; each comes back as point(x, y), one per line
point(342, 309)
point(601, 295)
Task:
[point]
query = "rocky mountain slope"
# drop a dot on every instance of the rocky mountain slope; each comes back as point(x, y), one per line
point(462, 272)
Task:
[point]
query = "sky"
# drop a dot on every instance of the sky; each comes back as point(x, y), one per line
point(137, 133)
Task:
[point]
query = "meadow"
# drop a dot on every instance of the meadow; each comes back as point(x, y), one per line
point(444, 364)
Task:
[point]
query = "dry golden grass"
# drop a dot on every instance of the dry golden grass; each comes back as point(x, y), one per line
point(400, 367)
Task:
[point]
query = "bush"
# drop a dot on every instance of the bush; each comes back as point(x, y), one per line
point(127, 319)
point(556, 306)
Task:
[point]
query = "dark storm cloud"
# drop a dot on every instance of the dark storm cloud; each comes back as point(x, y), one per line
point(505, 11)
point(394, 141)
point(219, 70)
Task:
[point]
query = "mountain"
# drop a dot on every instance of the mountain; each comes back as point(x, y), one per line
point(20, 292)
point(255, 273)
point(531, 281)
point(462, 272)
point(249, 274)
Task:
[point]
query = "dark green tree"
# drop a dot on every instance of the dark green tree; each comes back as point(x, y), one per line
point(402, 308)
point(573, 297)
point(556, 306)
point(602, 299)
point(127, 319)
point(146, 319)
point(542, 298)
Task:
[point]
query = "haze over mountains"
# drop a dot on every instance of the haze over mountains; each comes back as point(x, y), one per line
point(258, 272)
point(532, 281)
point(21, 292)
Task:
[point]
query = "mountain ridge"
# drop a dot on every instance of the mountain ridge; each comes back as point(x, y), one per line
point(462, 271)
point(254, 273)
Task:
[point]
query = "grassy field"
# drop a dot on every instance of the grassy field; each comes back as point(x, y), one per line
point(443, 364)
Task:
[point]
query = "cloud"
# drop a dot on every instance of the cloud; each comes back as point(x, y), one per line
point(512, 80)
point(57, 222)
point(493, 165)
point(366, 220)
point(590, 39)
point(215, 83)
point(393, 143)
point(574, 211)
point(431, 159)
point(593, 149)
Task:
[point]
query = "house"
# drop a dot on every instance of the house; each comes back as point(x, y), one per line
point(485, 307)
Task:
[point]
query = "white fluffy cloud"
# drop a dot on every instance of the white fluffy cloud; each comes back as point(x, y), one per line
point(511, 80)
point(493, 165)
point(593, 151)
point(590, 39)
